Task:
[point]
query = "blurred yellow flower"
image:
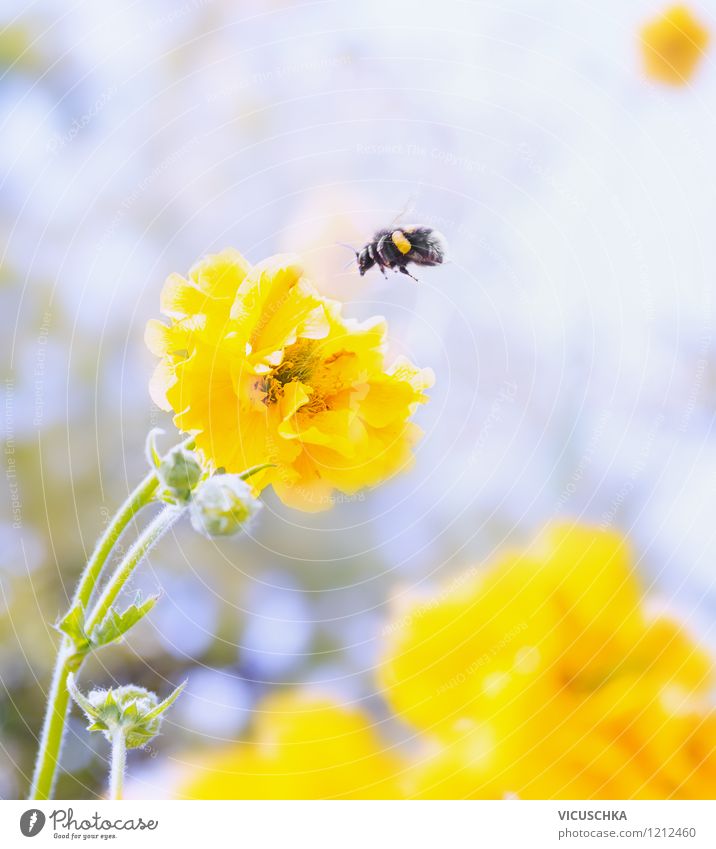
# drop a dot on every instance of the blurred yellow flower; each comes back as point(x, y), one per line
point(545, 676)
point(673, 45)
point(264, 370)
point(302, 747)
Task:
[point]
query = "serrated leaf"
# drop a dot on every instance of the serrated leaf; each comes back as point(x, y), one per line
point(115, 625)
point(73, 625)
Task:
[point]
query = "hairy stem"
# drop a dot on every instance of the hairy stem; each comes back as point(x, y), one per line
point(53, 728)
point(117, 765)
point(140, 548)
point(141, 496)
point(48, 755)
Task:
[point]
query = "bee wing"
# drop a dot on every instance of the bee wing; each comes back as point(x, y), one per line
point(408, 208)
point(433, 252)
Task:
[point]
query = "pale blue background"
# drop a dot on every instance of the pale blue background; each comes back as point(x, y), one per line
point(571, 334)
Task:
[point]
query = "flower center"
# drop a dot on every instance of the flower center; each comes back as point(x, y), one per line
point(298, 364)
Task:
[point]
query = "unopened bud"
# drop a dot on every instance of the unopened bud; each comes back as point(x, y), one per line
point(134, 711)
point(223, 505)
point(179, 472)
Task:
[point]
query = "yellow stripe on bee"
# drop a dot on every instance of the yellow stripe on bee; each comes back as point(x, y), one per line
point(400, 242)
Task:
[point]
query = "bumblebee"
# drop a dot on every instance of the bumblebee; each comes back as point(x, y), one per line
point(397, 248)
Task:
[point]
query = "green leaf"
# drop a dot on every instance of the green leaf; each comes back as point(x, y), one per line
point(115, 625)
point(73, 626)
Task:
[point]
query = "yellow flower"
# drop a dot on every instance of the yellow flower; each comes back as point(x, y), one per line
point(302, 747)
point(544, 676)
point(264, 370)
point(447, 656)
point(673, 45)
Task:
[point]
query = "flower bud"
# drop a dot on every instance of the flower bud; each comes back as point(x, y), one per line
point(222, 506)
point(134, 711)
point(179, 472)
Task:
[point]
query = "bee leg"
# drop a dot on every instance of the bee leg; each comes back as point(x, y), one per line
point(404, 270)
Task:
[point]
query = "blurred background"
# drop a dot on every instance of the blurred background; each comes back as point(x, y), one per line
point(572, 333)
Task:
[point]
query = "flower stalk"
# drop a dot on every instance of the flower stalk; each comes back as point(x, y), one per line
point(139, 498)
point(177, 480)
point(53, 729)
point(118, 764)
point(70, 655)
point(138, 551)
point(128, 717)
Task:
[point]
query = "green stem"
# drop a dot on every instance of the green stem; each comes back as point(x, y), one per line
point(141, 496)
point(117, 764)
point(69, 661)
point(53, 727)
point(140, 548)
